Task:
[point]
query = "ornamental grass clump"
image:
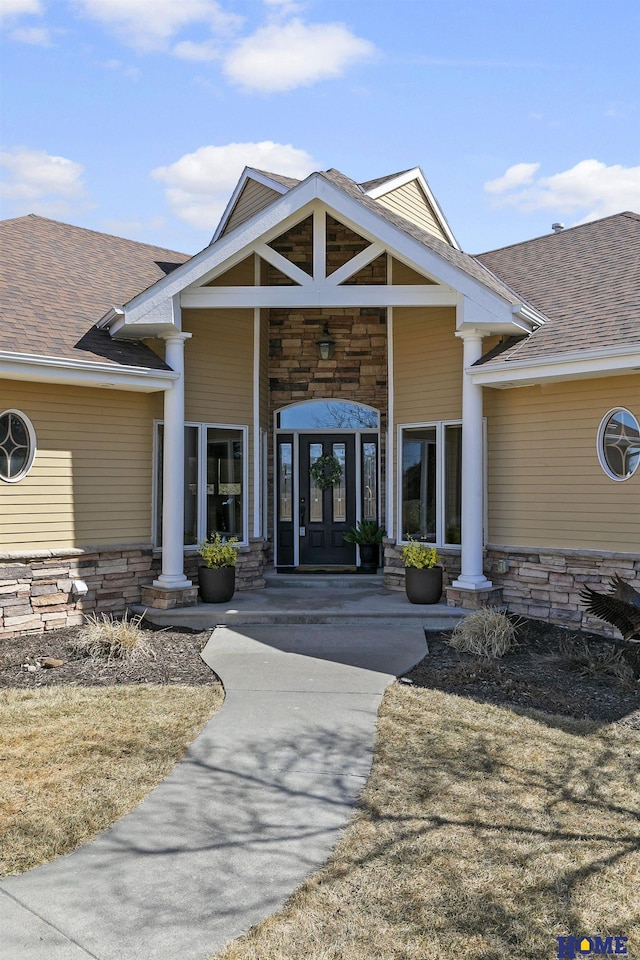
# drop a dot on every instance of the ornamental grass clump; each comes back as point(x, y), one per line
point(486, 632)
point(218, 552)
point(110, 638)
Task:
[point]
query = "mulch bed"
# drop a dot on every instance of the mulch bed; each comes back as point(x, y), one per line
point(175, 658)
point(552, 669)
point(547, 671)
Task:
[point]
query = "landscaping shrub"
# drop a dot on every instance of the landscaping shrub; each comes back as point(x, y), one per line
point(113, 639)
point(486, 632)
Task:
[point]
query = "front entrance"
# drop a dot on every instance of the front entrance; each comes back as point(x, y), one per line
point(326, 514)
point(316, 505)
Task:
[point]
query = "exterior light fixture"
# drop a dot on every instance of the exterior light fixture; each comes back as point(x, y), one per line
point(325, 345)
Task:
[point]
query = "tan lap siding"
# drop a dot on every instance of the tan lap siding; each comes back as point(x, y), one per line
point(427, 365)
point(410, 202)
point(546, 485)
point(91, 480)
point(219, 372)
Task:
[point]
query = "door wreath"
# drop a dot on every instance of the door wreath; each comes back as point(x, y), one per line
point(326, 471)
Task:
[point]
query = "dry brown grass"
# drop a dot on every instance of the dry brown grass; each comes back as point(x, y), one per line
point(482, 834)
point(75, 759)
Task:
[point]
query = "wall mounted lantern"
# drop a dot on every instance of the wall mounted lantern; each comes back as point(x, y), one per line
point(325, 345)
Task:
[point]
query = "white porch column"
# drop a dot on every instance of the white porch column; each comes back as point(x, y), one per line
point(471, 574)
point(172, 576)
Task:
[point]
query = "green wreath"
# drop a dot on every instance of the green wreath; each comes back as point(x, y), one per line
point(326, 471)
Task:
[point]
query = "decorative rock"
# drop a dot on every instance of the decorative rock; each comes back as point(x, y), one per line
point(48, 663)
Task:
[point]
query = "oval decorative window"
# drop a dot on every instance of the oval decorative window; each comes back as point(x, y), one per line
point(17, 446)
point(619, 444)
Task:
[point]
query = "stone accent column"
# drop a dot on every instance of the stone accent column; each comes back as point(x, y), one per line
point(471, 575)
point(172, 576)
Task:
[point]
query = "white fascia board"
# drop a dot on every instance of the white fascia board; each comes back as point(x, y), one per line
point(84, 373)
point(247, 174)
point(400, 181)
point(567, 366)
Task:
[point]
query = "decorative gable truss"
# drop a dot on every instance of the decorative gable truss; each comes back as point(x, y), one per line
point(312, 206)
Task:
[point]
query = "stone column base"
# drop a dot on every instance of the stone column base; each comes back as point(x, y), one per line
point(164, 598)
point(473, 599)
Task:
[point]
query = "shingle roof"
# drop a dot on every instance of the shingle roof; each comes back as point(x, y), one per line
point(586, 280)
point(288, 182)
point(372, 184)
point(57, 281)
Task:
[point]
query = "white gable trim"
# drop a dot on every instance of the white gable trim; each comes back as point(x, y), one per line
point(400, 181)
point(247, 174)
point(152, 304)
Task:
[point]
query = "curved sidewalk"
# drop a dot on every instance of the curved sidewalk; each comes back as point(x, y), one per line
point(255, 807)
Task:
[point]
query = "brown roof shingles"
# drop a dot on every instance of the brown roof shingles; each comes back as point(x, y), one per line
point(586, 280)
point(57, 281)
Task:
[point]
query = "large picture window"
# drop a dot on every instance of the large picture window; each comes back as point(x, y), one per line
point(431, 483)
point(215, 482)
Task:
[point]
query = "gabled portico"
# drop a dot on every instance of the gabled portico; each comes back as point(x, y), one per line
point(323, 256)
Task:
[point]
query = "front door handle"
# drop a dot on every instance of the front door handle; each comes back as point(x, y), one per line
point(303, 510)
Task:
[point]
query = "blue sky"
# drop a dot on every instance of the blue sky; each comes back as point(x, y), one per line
point(136, 117)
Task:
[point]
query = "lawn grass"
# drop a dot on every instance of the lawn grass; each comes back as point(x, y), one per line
point(75, 759)
point(482, 834)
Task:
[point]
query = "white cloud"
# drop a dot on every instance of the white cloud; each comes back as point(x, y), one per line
point(198, 52)
point(198, 185)
point(36, 36)
point(516, 176)
point(285, 56)
point(18, 8)
point(151, 24)
point(37, 182)
point(588, 190)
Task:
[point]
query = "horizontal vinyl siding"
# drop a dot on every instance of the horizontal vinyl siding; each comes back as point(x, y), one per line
point(254, 198)
point(91, 480)
point(241, 275)
point(410, 202)
point(427, 365)
point(219, 372)
point(546, 485)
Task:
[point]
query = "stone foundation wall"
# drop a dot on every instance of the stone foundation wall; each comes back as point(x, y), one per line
point(540, 584)
point(546, 584)
point(36, 591)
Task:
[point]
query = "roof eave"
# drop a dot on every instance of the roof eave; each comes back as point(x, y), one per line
point(86, 373)
point(578, 365)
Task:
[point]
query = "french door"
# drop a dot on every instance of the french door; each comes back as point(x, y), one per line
point(312, 515)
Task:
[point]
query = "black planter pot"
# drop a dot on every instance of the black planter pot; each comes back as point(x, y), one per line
point(369, 557)
point(423, 586)
point(217, 584)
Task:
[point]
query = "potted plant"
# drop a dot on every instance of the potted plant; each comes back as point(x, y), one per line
point(368, 535)
point(217, 577)
point(423, 576)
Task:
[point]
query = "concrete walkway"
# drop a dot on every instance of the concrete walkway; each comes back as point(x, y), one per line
point(255, 807)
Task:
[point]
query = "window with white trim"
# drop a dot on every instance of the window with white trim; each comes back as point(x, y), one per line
point(17, 446)
point(215, 482)
point(619, 444)
point(430, 482)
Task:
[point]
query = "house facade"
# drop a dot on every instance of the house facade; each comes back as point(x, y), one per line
point(331, 356)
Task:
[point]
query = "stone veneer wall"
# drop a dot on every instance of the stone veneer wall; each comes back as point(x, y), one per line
point(540, 584)
point(546, 584)
point(36, 590)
